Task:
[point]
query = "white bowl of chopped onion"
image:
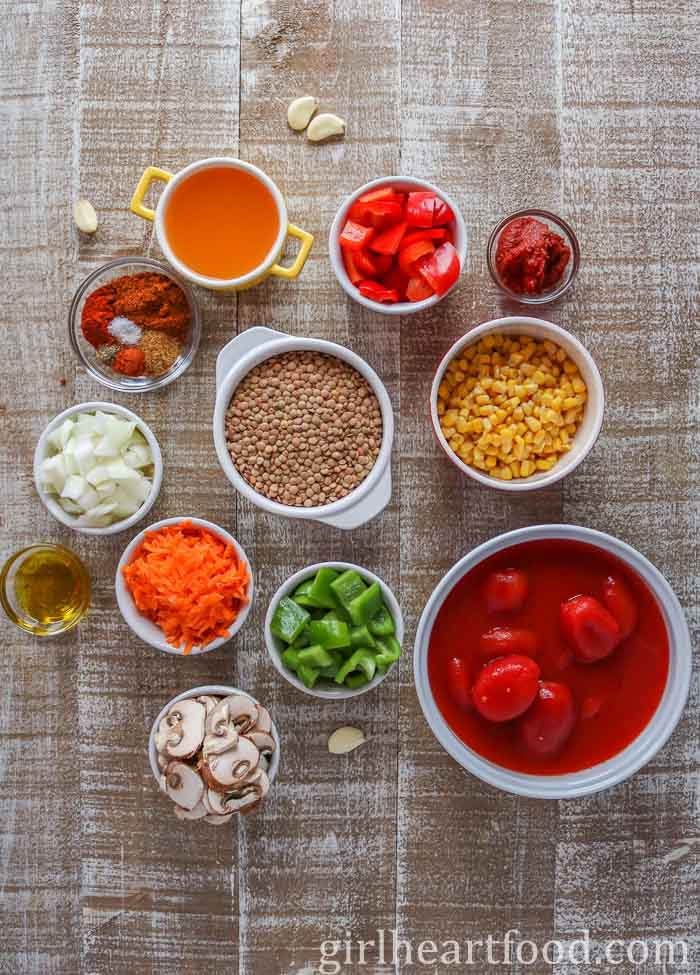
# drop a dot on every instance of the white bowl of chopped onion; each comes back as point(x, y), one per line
point(98, 468)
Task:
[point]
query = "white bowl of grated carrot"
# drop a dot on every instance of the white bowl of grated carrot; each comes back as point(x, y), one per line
point(148, 576)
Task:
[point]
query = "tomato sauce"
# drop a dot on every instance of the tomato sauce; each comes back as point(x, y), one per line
point(615, 698)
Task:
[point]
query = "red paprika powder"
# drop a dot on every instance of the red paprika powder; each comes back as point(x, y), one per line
point(530, 257)
point(98, 312)
point(130, 362)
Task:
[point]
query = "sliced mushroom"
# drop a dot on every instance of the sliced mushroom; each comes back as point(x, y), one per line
point(243, 713)
point(162, 760)
point(208, 702)
point(264, 763)
point(199, 811)
point(219, 742)
point(223, 805)
point(217, 718)
point(181, 731)
point(183, 784)
point(163, 784)
point(222, 772)
point(264, 722)
point(262, 740)
point(218, 820)
point(259, 779)
point(247, 810)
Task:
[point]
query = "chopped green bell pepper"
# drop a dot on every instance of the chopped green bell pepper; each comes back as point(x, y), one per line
point(362, 660)
point(347, 587)
point(321, 591)
point(382, 624)
point(330, 633)
point(389, 652)
point(366, 606)
point(331, 670)
point(361, 637)
point(290, 658)
point(315, 656)
point(303, 640)
point(289, 620)
point(307, 675)
point(355, 680)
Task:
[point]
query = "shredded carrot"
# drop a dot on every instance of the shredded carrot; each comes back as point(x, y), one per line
point(189, 582)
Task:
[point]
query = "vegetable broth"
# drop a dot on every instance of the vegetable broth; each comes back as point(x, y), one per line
point(221, 222)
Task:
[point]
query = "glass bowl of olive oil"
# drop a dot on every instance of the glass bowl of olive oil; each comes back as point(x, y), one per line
point(45, 589)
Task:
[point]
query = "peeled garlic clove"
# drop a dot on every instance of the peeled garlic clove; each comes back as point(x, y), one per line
point(345, 740)
point(300, 112)
point(324, 126)
point(85, 216)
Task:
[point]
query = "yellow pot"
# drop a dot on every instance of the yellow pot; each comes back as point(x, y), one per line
point(268, 267)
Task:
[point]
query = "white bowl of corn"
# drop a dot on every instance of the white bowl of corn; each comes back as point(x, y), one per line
point(517, 403)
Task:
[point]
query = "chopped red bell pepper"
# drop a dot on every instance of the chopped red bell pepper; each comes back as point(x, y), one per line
point(418, 289)
point(436, 233)
point(365, 264)
point(377, 292)
point(389, 240)
point(409, 255)
point(396, 279)
point(351, 267)
point(425, 209)
point(381, 193)
point(355, 236)
point(383, 262)
point(379, 214)
point(440, 269)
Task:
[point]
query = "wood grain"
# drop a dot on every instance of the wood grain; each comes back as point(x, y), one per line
point(589, 108)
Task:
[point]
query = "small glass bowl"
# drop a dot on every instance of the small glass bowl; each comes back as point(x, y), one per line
point(87, 353)
point(16, 612)
point(558, 226)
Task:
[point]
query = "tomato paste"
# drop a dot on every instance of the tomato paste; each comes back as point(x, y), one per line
point(613, 698)
point(530, 257)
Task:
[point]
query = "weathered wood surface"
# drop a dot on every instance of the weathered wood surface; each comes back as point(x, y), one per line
point(587, 107)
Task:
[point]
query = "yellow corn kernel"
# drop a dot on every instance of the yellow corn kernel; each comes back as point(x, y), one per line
point(441, 409)
point(456, 441)
point(578, 384)
point(570, 402)
point(491, 462)
point(570, 367)
point(505, 473)
point(533, 423)
point(545, 465)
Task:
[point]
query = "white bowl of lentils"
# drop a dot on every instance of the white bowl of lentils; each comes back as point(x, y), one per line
point(303, 428)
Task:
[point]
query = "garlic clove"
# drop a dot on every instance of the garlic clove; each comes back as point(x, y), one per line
point(301, 111)
point(85, 216)
point(345, 740)
point(325, 126)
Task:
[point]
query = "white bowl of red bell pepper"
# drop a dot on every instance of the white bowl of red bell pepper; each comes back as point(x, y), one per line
point(398, 245)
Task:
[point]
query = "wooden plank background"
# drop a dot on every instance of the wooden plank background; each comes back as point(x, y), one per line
point(588, 107)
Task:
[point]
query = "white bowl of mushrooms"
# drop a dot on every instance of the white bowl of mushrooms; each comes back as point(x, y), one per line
point(214, 751)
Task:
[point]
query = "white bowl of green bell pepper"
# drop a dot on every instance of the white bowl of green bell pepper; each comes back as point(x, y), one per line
point(334, 630)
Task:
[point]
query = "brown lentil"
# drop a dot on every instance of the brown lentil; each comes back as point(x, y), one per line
point(160, 350)
point(304, 428)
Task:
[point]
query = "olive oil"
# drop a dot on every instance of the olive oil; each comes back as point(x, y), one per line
point(45, 589)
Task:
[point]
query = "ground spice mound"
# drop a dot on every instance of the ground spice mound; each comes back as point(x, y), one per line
point(304, 428)
point(152, 300)
point(160, 351)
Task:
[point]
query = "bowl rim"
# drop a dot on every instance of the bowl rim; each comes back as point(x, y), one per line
point(269, 350)
point(400, 307)
point(571, 270)
point(154, 382)
point(203, 280)
point(329, 693)
point(223, 690)
point(605, 774)
point(510, 325)
point(143, 627)
point(54, 508)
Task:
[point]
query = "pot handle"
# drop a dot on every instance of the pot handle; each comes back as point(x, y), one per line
point(366, 509)
point(294, 270)
point(149, 174)
point(243, 343)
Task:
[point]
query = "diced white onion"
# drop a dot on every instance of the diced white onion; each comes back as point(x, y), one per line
point(96, 465)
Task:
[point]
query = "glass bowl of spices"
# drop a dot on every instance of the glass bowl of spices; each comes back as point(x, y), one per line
point(134, 325)
point(45, 589)
point(533, 256)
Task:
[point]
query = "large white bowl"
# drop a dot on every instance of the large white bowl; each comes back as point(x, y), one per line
point(588, 431)
point(622, 765)
point(275, 646)
point(216, 690)
point(403, 184)
point(145, 628)
point(49, 500)
point(251, 348)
